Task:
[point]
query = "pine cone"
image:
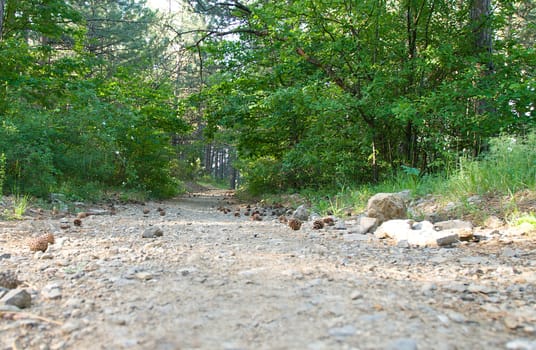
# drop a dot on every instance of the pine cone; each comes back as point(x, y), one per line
point(48, 237)
point(295, 224)
point(329, 221)
point(38, 244)
point(8, 280)
point(256, 217)
point(318, 224)
point(77, 222)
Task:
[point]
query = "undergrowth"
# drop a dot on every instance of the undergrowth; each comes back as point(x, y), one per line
point(508, 167)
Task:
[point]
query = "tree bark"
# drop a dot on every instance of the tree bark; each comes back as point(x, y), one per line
point(481, 24)
point(2, 7)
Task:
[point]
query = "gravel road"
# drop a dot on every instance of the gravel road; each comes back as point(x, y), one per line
point(217, 281)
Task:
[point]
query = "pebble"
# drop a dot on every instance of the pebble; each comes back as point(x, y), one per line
point(356, 295)
point(340, 332)
point(70, 326)
point(340, 225)
point(52, 291)
point(402, 344)
point(152, 232)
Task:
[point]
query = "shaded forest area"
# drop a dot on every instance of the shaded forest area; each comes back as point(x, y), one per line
point(287, 94)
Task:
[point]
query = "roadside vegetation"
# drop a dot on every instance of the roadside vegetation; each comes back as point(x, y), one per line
point(333, 100)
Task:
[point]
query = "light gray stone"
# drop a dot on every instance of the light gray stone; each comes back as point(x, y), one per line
point(340, 225)
point(340, 332)
point(366, 224)
point(353, 237)
point(453, 225)
point(301, 213)
point(17, 297)
point(152, 232)
point(402, 344)
point(521, 344)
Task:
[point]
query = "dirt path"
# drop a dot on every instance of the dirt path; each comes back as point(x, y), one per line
point(216, 281)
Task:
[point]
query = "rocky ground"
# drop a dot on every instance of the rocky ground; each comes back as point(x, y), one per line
point(203, 279)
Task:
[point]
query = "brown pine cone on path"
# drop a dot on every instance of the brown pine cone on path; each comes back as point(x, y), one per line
point(38, 244)
point(318, 224)
point(48, 237)
point(295, 224)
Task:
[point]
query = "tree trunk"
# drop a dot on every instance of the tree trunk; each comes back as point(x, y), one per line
point(482, 46)
point(2, 7)
point(481, 24)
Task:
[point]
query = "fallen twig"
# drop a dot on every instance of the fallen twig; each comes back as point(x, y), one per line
point(18, 315)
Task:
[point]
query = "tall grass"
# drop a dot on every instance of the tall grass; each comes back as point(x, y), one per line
point(509, 166)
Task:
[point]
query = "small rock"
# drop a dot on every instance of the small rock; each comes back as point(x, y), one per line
point(447, 240)
point(17, 297)
point(366, 224)
point(152, 232)
point(403, 244)
point(352, 237)
point(70, 326)
point(511, 322)
point(301, 213)
point(340, 225)
point(340, 332)
point(356, 295)
point(51, 291)
point(453, 225)
point(493, 222)
point(477, 288)
point(402, 344)
point(144, 276)
point(456, 317)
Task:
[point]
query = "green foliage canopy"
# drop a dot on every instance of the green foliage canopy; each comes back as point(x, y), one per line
point(327, 93)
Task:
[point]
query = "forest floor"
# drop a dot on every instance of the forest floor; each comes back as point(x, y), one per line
point(217, 281)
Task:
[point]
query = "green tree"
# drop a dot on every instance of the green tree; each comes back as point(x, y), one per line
point(394, 79)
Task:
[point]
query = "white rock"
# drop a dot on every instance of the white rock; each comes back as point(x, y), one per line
point(521, 344)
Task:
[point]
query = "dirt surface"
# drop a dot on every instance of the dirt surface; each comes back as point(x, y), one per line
point(218, 281)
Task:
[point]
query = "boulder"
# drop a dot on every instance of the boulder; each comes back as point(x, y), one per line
point(386, 206)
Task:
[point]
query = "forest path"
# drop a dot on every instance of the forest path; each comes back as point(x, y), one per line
point(216, 281)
